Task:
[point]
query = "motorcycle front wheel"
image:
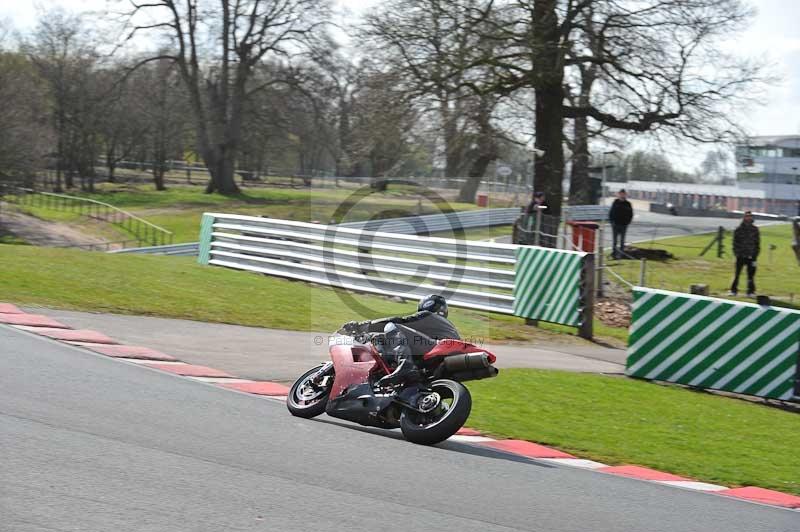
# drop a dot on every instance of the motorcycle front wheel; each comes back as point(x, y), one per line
point(445, 410)
point(306, 398)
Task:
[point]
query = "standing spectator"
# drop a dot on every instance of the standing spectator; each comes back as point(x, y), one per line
point(549, 224)
point(746, 247)
point(538, 200)
point(620, 216)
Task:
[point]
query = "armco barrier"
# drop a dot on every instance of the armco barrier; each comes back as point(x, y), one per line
point(537, 283)
point(446, 222)
point(714, 344)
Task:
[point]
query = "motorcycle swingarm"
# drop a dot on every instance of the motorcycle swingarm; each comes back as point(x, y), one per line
point(405, 397)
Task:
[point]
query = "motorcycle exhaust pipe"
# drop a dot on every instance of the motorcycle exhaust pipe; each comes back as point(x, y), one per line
point(472, 361)
point(475, 374)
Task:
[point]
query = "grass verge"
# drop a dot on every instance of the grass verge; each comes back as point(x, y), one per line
point(778, 272)
point(178, 287)
point(179, 208)
point(618, 420)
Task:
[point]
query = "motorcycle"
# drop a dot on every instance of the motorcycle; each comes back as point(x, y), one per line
point(428, 410)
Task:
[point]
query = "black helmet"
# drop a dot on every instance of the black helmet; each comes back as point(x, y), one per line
point(433, 303)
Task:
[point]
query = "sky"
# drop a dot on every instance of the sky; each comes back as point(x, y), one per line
point(774, 35)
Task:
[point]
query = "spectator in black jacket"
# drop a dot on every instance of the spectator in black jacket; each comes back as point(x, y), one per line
point(746, 247)
point(620, 216)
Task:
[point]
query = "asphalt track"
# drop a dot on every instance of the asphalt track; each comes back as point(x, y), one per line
point(278, 355)
point(94, 444)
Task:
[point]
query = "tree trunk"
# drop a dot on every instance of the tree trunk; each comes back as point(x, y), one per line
point(580, 189)
point(579, 185)
point(221, 168)
point(158, 179)
point(486, 153)
point(452, 147)
point(549, 117)
point(111, 163)
point(475, 175)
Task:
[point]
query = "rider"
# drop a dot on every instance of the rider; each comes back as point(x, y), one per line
point(409, 337)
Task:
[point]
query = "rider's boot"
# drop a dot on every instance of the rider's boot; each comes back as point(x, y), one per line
point(405, 372)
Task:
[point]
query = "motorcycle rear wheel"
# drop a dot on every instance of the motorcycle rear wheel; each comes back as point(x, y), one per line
point(306, 400)
point(455, 404)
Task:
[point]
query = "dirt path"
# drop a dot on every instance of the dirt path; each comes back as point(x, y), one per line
point(42, 233)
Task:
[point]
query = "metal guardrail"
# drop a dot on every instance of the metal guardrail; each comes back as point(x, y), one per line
point(143, 230)
point(181, 250)
point(437, 223)
point(470, 274)
point(585, 213)
point(379, 263)
point(408, 225)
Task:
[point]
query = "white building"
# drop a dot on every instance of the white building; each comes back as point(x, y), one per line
point(767, 180)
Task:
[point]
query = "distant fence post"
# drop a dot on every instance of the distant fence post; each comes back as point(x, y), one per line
point(586, 327)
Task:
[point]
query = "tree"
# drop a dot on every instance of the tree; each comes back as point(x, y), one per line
point(717, 166)
point(122, 124)
point(24, 135)
point(652, 59)
point(64, 57)
point(427, 43)
point(164, 109)
point(217, 46)
point(382, 127)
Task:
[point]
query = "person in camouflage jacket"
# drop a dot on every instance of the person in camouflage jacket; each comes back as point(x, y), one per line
point(746, 247)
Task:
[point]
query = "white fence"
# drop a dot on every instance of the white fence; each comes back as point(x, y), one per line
point(470, 274)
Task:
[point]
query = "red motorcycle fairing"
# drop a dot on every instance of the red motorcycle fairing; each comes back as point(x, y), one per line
point(450, 346)
point(352, 364)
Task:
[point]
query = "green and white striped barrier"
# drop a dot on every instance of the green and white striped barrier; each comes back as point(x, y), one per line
point(548, 285)
point(713, 343)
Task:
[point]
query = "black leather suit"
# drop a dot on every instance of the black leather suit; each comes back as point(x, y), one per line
point(407, 338)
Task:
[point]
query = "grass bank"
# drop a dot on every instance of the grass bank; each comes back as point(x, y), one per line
point(177, 287)
point(778, 272)
point(618, 420)
point(179, 208)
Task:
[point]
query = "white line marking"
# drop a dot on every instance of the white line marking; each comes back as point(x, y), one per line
point(139, 360)
point(469, 439)
point(574, 462)
point(217, 380)
point(281, 398)
point(150, 361)
point(692, 485)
